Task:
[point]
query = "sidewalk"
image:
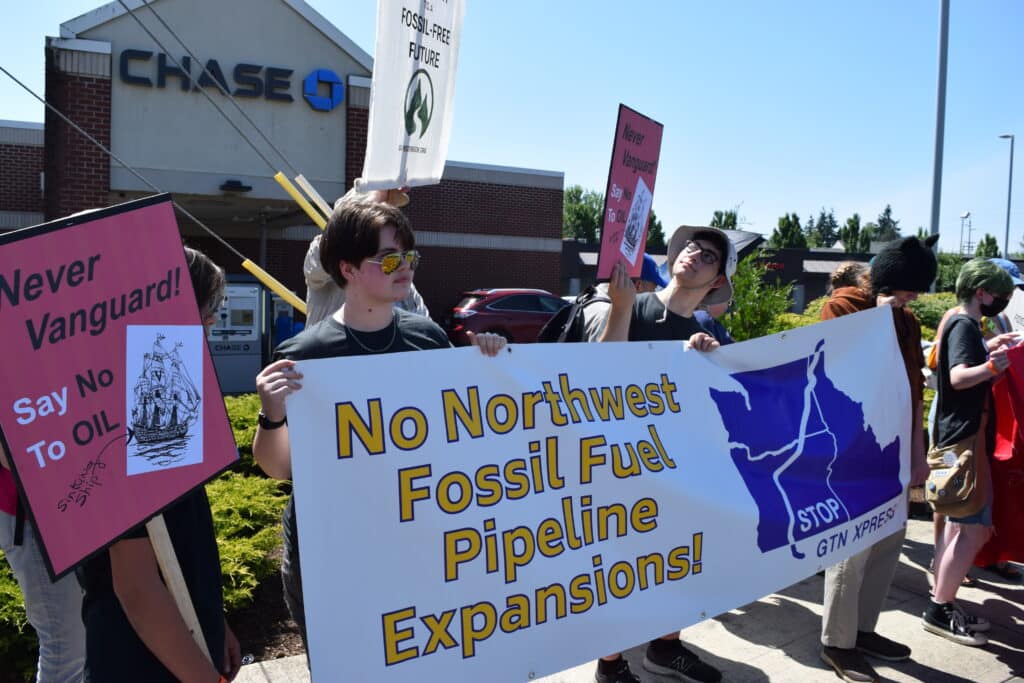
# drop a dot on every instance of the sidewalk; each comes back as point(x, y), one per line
point(776, 638)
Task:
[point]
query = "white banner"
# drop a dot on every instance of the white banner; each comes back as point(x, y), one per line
point(1015, 311)
point(468, 518)
point(413, 92)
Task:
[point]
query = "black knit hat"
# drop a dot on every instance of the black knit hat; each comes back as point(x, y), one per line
point(908, 264)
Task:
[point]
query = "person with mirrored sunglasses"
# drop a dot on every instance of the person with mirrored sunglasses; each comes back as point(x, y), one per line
point(323, 295)
point(368, 248)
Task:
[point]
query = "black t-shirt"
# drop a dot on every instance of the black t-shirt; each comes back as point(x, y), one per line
point(651, 321)
point(114, 652)
point(331, 339)
point(959, 411)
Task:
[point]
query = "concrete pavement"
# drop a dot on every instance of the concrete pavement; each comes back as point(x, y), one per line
point(776, 638)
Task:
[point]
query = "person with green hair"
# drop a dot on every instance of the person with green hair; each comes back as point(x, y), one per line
point(966, 369)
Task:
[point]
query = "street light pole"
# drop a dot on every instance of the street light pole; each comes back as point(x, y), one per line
point(1009, 196)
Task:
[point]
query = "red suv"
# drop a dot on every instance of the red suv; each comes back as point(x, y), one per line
point(515, 314)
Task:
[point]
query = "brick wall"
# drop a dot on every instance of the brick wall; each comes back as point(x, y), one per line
point(77, 172)
point(356, 122)
point(20, 166)
point(485, 208)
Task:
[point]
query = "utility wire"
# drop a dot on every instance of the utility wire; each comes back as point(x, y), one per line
point(201, 89)
point(116, 158)
point(224, 91)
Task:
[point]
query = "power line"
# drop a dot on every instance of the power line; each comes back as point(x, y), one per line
point(118, 159)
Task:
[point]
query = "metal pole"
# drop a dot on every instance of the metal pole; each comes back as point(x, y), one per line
point(940, 115)
point(1009, 196)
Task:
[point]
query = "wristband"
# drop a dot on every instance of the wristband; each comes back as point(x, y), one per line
point(266, 423)
point(992, 368)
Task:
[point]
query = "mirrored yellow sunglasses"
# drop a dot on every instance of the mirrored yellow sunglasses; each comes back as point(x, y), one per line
point(393, 261)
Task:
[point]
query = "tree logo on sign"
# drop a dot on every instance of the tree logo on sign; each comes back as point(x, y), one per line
point(419, 102)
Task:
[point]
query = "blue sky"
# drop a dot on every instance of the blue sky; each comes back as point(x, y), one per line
point(770, 106)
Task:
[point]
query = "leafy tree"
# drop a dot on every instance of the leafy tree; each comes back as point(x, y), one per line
point(987, 247)
point(581, 213)
point(655, 233)
point(788, 234)
point(724, 220)
point(756, 304)
point(888, 227)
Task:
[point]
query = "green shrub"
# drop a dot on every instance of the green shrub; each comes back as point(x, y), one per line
point(929, 309)
point(18, 646)
point(242, 411)
point(756, 304)
point(813, 308)
point(247, 520)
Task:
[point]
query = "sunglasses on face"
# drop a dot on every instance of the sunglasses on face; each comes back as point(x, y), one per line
point(707, 257)
point(389, 263)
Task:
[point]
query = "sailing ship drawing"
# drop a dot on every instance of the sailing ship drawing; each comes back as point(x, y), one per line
point(165, 404)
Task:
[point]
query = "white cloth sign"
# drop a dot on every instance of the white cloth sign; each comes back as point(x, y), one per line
point(468, 518)
point(413, 93)
point(1015, 311)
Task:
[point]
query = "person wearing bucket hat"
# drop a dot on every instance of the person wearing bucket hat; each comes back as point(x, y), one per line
point(701, 262)
point(856, 588)
point(595, 315)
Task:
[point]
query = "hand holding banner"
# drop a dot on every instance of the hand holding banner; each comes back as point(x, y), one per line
point(413, 91)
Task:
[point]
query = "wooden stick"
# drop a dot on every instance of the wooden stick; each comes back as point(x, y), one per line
point(171, 569)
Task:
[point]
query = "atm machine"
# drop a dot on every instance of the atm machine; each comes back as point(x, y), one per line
point(237, 339)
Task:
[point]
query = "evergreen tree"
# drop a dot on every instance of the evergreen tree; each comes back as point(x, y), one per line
point(987, 247)
point(827, 228)
point(788, 234)
point(724, 220)
point(655, 233)
point(811, 233)
point(888, 227)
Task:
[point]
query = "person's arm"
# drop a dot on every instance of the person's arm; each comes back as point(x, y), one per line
point(153, 614)
point(622, 292)
point(232, 653)
point(963, 377)
point(270, 447)
point(918, 457)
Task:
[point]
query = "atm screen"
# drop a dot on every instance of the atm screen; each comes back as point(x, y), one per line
point(241, 317)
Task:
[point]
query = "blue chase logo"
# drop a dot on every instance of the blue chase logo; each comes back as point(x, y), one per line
point(818, 465)
point(312, 89)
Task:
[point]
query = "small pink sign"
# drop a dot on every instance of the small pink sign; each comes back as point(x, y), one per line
point(109, 403)
point(630, 191)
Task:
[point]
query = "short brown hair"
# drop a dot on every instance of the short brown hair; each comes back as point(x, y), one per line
point(208, 281)
point(353, 234)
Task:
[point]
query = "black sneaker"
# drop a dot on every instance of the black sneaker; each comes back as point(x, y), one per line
point(849, 664)
point(950, 624)
point(975, 623)
point(881, 647)
point(621, 675)
point(682, 665)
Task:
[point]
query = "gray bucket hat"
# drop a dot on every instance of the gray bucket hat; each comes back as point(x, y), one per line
point(683, 233)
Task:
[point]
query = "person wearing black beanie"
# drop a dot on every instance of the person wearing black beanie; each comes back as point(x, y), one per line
point(856, 588)
point(907, 264)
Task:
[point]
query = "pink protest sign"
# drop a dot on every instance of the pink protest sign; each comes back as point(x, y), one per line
point(630, 191)
point(109, 403)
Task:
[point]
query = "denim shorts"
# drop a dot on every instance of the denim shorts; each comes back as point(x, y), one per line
point(982, 517)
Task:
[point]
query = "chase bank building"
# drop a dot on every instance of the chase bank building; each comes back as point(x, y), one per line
point(306, 87)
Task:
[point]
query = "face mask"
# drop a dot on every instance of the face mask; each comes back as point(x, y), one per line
point(995, 308)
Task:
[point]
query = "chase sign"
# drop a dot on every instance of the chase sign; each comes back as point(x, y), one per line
point(322, 89)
